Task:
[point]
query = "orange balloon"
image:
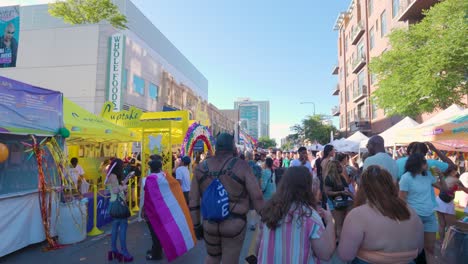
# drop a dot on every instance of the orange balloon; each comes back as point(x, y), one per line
point(3, 152)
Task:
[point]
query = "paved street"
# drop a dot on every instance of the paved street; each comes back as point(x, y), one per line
point(94, 249)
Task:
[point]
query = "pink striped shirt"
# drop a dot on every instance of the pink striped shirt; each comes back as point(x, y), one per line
point(290, 243)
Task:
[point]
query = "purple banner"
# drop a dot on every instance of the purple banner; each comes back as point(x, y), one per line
point(27, 109)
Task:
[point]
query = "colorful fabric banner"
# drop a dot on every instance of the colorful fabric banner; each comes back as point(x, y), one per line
point(168, 213)
point(9, 35)
point(27, 109)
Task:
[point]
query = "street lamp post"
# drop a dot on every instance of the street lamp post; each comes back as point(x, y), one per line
point(312, 103)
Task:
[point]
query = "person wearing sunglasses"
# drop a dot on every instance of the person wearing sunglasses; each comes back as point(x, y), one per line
point(8, 47)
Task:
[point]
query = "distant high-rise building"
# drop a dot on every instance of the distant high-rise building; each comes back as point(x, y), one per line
point(254, 117)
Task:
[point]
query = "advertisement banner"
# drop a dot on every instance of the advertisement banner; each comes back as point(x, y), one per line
point(9, 35)
point(116, 64)
point(28, 109)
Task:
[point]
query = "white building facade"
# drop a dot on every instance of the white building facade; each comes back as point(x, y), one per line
point(95, 63)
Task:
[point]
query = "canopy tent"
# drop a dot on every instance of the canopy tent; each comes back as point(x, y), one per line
point(87, 127)
point(444, 115)
point(389, 135)
point(315, 147)
point(345, 145)
point(448, 134)
point(357, 137)
point(25, 110)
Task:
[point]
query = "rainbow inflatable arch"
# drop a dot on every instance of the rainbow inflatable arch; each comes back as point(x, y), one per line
point(194, 133)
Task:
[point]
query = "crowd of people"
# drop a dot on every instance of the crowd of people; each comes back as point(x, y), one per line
point(310, 207)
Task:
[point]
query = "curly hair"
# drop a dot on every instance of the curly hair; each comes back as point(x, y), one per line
point(294, 195)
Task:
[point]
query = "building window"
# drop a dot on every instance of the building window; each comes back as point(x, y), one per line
point(377, 25)
point(374, 111)
point(361, 52)
point(124, 79)
point(361, 87)
point(361, 112)
point(371, 38)
point(371, 7)
point(395, 7)
point(138, 85)
point(153, 91)
point(383, 24)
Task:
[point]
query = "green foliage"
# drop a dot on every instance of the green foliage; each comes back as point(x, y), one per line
point(313, 129)
point(427, 67)
point(88, 12)
point(266, 142)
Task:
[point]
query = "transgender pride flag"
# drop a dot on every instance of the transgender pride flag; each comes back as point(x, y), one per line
point(169, 215)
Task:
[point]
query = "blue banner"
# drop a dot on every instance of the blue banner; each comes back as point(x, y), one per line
point(27, 109)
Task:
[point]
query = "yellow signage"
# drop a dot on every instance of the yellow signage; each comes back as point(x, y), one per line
point(125, 118)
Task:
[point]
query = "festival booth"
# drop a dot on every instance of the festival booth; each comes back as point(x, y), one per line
point(359, 138)
point(93, 139)
point(450, 134)
point(30, 150)
point(164, 133)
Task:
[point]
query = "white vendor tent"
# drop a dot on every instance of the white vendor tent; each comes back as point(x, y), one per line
point(389, 135)
point(345, 145)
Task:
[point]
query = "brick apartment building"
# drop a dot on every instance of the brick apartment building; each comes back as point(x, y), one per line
point(362, 35)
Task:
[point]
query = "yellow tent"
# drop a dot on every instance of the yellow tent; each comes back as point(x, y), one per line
point(87, 127)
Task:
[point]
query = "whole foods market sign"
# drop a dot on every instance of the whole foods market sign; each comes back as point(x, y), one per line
point(116, 64)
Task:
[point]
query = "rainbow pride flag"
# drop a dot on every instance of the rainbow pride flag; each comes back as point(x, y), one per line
point(169, 215)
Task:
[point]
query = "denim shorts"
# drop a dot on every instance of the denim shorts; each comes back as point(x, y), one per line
point(430, 223)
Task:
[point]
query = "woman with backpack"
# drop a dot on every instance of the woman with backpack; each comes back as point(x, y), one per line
point(268, 180)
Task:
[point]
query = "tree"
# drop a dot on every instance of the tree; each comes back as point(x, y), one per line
point(426, 68)
point(314, 129)
point(266, 142)
point(88, 12)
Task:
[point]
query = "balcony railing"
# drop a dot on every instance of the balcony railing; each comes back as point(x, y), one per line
point(360, 93)
point(336, 69)
point(357, 33)
point(358, 62)
point(336, 90)
point(336, 111)
point(360, 123)
point(412, 9)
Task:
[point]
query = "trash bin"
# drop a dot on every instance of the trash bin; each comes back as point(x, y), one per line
point(71, 226)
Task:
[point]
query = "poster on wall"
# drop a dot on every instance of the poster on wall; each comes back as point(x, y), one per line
point(9, 35)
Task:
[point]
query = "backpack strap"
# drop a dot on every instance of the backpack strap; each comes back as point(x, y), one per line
point(207, 173)
point(233, 175)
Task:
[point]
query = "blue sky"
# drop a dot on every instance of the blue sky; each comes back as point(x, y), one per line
point(276, 50)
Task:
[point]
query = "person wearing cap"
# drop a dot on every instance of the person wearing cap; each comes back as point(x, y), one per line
point(183, 176)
